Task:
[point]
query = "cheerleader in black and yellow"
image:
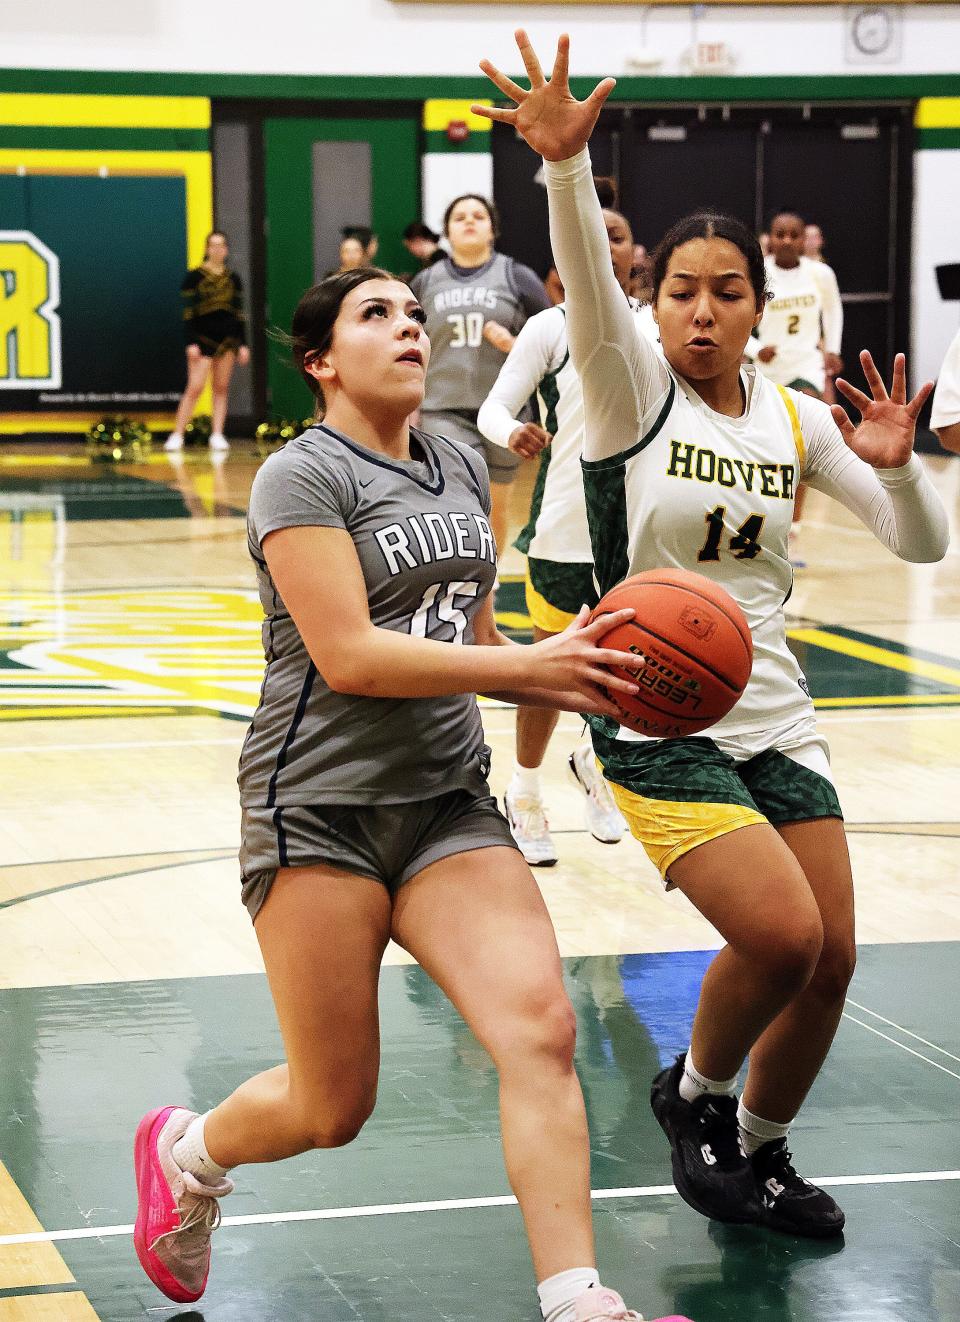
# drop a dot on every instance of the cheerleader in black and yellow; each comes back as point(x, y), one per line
point(214, 329)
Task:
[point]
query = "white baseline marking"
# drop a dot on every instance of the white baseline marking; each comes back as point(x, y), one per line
point(455, 1205)
point(906, 1031)
point(903, 1047)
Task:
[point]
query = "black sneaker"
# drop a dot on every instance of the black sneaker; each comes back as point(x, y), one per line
point(709, 1167)
point(789, 1202)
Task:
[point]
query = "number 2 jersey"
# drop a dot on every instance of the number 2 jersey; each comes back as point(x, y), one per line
point(804, 310)
point(670, 482)
point(422, 536)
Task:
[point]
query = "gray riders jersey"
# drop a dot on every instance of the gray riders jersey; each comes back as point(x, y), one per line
point(458, 302)
point(428, 559)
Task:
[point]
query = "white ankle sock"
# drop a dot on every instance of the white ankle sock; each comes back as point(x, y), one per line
point(694, 1084)
point(190, 1153)
point(754, 1131)
point(525, 782)
point(557, 1293)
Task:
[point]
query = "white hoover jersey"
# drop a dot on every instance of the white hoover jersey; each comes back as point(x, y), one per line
point(539, 363)
point(671, 482)
point(803, 317)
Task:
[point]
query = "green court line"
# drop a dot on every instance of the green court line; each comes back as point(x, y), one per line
point(115, 876)
point(90, 858)
point(18, 1291)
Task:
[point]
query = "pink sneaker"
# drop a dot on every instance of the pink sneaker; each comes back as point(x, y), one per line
point(605, 1305)
point(176, 1213)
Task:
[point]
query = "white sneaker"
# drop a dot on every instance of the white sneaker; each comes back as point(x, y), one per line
point(218, 441)
point(604, 819)
point(602, 1305)
point(528, 822)
point(173, 442)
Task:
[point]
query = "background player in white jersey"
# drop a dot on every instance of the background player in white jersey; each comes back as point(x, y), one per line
point(798, 340)
point(556, 539)
point(945, 408)
point(366, 813)
point(476, 301)
point(692, 461)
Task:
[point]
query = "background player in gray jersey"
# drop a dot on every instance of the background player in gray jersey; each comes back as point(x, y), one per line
point(366, 814)
point(476, 300)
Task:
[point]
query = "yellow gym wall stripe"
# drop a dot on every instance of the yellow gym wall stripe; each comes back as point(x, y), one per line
point(438, 114)
point(879, 656)
point(937, 112)
point(39, 110)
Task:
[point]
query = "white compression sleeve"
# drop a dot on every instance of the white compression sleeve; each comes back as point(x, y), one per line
point(525, 367)
point(624, 380)
point(900, 506)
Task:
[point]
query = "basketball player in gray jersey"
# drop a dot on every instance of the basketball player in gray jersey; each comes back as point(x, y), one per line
point(366, 813)
point(476, 301)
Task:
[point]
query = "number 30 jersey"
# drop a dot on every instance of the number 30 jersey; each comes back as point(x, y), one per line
point(670, 482)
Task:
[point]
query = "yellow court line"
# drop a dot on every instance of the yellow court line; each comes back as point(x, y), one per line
point(879, 656)
point(46, 110)
point(28, 713)
point(197, 691)
point(892, 700)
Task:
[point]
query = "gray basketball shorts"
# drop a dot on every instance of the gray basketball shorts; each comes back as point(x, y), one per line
point(390, 842)
point(461, 425)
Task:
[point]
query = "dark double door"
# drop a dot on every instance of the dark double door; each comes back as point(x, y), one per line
point(846, 168)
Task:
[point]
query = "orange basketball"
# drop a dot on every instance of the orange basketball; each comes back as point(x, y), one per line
point(693, 648)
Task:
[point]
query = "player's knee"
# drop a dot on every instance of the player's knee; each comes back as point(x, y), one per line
point(336, 1125)
point(552, 1030)
point(835, 969)
point(544, 1028)
point(791, 950)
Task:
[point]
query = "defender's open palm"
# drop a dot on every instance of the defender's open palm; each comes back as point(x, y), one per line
point(548, 116)
point(888, 423)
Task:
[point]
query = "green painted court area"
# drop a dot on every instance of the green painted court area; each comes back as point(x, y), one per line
point(82, 1064)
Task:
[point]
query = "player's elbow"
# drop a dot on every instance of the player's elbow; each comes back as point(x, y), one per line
point(346, 667)
point(930, 553)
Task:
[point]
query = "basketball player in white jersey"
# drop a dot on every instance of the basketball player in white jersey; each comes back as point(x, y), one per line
point(945, 408)
point(798, 341)
point(692, 461)
point(556, 539)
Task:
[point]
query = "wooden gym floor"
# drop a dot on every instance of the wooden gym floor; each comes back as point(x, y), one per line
point(129, 665)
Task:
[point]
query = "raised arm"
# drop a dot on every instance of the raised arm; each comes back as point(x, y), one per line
point(623, 379)
point(871, 469)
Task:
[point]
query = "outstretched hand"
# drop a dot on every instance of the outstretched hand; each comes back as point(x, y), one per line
point(548, 116)
point(888, 423)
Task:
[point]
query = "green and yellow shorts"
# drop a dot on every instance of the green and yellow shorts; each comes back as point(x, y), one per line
point(556, 591)
point(677, 794)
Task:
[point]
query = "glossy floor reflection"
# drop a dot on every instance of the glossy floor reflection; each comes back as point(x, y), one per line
point(130, 661)
point(86, 1061)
